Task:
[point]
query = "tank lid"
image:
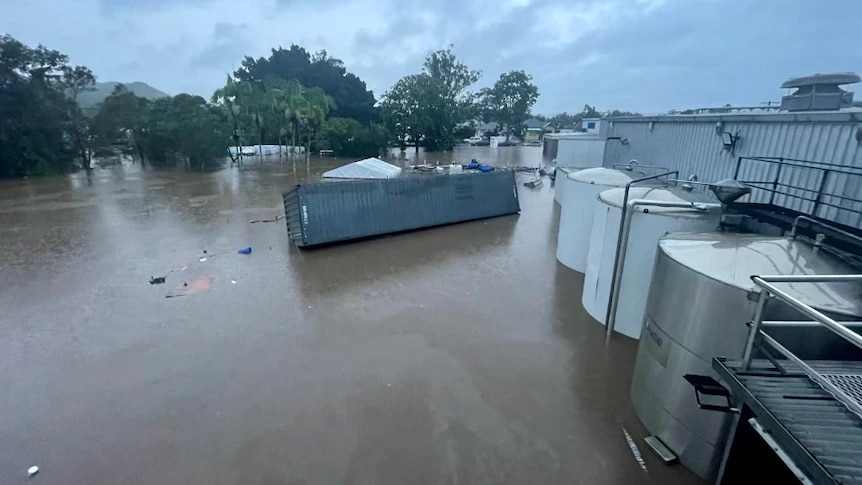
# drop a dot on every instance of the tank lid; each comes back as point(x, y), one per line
point(732, 258)
point(605, 176)
point(615, 197)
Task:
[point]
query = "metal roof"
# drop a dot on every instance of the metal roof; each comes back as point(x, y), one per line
point(833, 78)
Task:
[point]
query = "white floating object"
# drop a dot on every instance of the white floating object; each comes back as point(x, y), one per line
point(32, 471)
point(202, 259)
point(233, 281)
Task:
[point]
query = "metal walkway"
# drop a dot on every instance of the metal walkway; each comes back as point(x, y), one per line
point(821, 436)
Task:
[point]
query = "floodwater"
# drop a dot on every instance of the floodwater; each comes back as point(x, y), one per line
point(458, 354)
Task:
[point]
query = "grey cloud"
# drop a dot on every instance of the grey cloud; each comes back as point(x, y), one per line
point(114, 6)
point(229, 44)
point(228, 30)
point(622, 54)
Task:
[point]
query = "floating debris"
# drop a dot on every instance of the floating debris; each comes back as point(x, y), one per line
point(157, 280)
point(245, 250)
point(192, 287)
point(277, 218)
point(32, 471)
point(233, 282)
point(534, 183)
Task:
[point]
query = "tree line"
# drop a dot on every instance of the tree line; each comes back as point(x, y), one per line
point(436, 108)
point(291, 97)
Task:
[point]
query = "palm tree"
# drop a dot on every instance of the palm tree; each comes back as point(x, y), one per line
point(317, 107)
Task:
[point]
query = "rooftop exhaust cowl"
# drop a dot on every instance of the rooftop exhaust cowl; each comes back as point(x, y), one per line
point(819, 92)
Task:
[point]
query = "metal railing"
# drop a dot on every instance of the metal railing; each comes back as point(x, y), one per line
point(788, 171)
point(633, 164)
point(614, 290)
point(768, 291)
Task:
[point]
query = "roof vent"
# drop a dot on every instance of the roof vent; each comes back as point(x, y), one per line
point(819, 92)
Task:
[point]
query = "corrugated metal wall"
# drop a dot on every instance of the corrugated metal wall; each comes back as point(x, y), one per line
point(326, 212)
point(694, 146)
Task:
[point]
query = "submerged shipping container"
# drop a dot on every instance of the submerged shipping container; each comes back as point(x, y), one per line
point(327, 212)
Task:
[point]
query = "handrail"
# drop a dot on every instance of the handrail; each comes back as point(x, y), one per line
point(829, 227)
point(769, 290)
point(622, 246)
point(812, 185)
point(634, 164)
point(613, 289)
point(837, 328)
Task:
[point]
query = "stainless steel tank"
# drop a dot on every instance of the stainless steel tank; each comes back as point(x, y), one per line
point(700, 299)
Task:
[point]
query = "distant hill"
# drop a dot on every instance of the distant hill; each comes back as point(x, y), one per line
point(103, 90)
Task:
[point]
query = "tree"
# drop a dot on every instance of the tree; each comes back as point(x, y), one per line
point(347, 137)
point(351, 97)
point(446, 100)
point(405, 109)
point(35, 119)
point(75, 81)
point(430, 106)
point(510, 100)
point(122, 122)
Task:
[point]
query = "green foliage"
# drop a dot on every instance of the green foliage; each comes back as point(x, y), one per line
point(166, 131)
point(510, 100)
point(184, 129)
point(35, 112)
point(351, 97)
point(275, 110)
point(430, 106)
point(349, 138)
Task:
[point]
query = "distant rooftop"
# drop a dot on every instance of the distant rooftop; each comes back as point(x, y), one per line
point(535, 124)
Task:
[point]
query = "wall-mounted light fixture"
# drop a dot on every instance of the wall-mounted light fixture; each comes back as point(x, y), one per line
point(719, 127)
point(651, 125)
point(729, 140)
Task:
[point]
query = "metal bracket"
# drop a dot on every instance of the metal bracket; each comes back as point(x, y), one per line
point(707, 386)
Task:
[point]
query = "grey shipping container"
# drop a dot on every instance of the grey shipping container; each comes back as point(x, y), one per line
point(327, 212)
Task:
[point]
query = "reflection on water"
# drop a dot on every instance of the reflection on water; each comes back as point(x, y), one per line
point(452, 354)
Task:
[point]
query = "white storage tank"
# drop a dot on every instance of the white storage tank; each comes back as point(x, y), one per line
point(561, 182)
point(648, 225)
point(576, 214)
point(700, 298)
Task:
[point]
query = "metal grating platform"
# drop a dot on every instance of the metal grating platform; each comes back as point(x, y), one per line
point(819, 433)
point(850, 384)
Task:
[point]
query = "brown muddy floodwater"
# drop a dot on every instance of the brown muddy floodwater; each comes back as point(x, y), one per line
point(458, 354)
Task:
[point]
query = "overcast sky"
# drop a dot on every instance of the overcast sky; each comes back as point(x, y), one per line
point(639, 55)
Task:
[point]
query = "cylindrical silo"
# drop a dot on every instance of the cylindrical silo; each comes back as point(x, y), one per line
point(576, 214)
point(700, 299)
point(648, 225)
point(561, 182)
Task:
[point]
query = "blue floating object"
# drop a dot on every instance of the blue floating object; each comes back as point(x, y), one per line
point(486, 168)
point(473, 165)
point(246, 250)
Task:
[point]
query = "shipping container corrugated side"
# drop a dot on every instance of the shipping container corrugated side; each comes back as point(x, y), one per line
point(328, 212)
